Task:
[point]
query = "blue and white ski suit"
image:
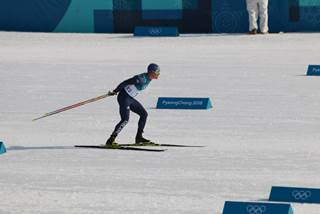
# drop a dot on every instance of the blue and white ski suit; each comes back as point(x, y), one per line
point(128, 89)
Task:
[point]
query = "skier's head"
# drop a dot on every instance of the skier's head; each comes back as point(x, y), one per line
point(153, 71)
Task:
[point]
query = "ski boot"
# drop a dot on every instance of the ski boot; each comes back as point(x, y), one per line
point(111, 143)
point(143, 142)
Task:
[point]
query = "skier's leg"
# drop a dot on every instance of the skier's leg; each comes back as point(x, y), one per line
point(124, 109)
point(137, 108)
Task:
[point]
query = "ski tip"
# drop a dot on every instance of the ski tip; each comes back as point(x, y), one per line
point(185, 146)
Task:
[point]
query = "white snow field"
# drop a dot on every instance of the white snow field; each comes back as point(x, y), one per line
point(263, 129)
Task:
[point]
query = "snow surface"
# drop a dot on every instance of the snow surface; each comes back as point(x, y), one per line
point(262, 131)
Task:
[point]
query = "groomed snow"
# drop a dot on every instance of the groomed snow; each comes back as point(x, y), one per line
point(263, 129)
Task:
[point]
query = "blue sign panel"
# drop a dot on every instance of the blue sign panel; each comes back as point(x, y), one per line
point(36, 15)
point(313, 70)
point(162, 14)
point(2, 148)
point(232, 207)
point(103, 21)
point(156, 31)
point(183, 103)
point(295, 194)
point(162, 10)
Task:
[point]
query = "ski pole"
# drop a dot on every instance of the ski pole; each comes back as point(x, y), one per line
point(73, 106)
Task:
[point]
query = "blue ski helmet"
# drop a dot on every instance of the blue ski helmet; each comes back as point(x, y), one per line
point(153, 67)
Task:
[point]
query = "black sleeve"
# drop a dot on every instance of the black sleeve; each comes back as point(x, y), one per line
point(131, 81)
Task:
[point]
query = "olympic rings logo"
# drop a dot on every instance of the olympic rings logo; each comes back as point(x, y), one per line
point(155, 31)
point(301, 195)
point(256, 209)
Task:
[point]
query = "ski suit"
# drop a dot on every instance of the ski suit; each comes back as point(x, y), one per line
point(258, 8)
point(128, 89)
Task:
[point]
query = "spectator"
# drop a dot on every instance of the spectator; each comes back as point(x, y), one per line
point(258, 8)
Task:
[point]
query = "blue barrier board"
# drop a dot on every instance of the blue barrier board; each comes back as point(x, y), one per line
point(2, 148)
point(233, 207)
point(183, 103)
point(155, 31)
point(295, 194)
point(313, 70)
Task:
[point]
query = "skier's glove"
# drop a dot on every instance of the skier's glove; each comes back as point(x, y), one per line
point(112, 93)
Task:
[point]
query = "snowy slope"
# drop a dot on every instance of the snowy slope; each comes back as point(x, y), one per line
point(262, 131)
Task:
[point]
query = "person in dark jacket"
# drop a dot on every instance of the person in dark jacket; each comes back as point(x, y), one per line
point(127, 91)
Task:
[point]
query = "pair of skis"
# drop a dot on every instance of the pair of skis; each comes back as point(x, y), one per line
point(136, 147)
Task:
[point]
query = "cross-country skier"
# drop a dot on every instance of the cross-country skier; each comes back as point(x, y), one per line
point(127, 91)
